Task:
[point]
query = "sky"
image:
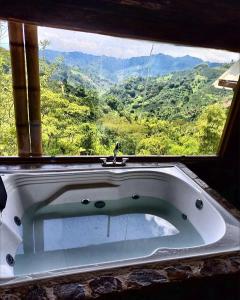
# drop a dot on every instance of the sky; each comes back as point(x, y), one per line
point(66, 40)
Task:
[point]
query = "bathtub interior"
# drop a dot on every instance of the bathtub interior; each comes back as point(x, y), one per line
point(143, 211)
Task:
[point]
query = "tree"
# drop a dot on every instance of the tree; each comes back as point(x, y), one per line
point(8, 141)
point(154, 145)
point(89, 138)
point(43, 46)
point(210, 125)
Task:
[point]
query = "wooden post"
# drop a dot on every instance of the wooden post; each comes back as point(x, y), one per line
point(19, 87)
point(31, 47)
point(232, 122)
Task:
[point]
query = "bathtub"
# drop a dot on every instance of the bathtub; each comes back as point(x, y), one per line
point(62, 222)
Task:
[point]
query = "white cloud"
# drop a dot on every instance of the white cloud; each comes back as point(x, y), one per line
point(65, 40)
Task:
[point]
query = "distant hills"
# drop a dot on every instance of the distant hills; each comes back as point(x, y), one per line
point(115, 69)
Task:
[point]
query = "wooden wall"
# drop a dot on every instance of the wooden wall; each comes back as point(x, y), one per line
point(192, 22)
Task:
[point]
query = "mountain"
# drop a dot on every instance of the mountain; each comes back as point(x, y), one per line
point(179, 95)
point(115, 69)
point(75, 76)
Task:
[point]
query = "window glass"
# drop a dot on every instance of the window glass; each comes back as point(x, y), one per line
point(153, 98)
point(8, 142)
point(96, 90)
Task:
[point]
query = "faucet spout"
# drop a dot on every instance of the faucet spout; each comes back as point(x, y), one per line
point(115, 152)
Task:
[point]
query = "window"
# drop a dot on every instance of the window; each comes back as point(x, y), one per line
point(153, 98)
point(8, 142)
point(96, 90)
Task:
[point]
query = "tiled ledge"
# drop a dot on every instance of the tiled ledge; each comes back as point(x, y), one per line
point(95, 284)
point(102, 283)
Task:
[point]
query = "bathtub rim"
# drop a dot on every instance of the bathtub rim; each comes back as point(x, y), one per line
point(152, 169)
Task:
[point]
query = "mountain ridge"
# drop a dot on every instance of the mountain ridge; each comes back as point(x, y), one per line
point(117, 69)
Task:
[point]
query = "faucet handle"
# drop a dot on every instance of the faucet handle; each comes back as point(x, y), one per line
point(103, 160)
point(124, 160)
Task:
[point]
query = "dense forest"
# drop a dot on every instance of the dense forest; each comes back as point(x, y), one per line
point(85, 113)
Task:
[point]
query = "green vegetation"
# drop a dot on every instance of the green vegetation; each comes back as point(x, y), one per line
point(180, 113)
point(8, 143)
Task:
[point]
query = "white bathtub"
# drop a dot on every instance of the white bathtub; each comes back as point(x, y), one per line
point(129, 216)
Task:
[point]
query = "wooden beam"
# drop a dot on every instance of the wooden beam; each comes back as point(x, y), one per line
point(19, 87)
point(227, 83)
point(31, 47)
point(201, 23)
point(232, 123)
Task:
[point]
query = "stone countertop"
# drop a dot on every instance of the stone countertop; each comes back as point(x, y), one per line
point(102, 283)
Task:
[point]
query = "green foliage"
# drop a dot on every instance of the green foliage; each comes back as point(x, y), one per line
point(210, 125)
point(176, 114)
point(8, 144)
point(156, 145)
point(180, 95)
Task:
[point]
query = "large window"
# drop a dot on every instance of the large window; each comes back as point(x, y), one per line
point(153, 98)
point(8, 142)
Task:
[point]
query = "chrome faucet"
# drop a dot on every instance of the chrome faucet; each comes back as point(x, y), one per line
point(115, 152)
point(107, 162)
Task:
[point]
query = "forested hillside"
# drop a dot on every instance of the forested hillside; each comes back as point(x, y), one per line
point(85, 113)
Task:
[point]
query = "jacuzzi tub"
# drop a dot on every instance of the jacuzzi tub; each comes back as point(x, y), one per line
point(72, 221)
